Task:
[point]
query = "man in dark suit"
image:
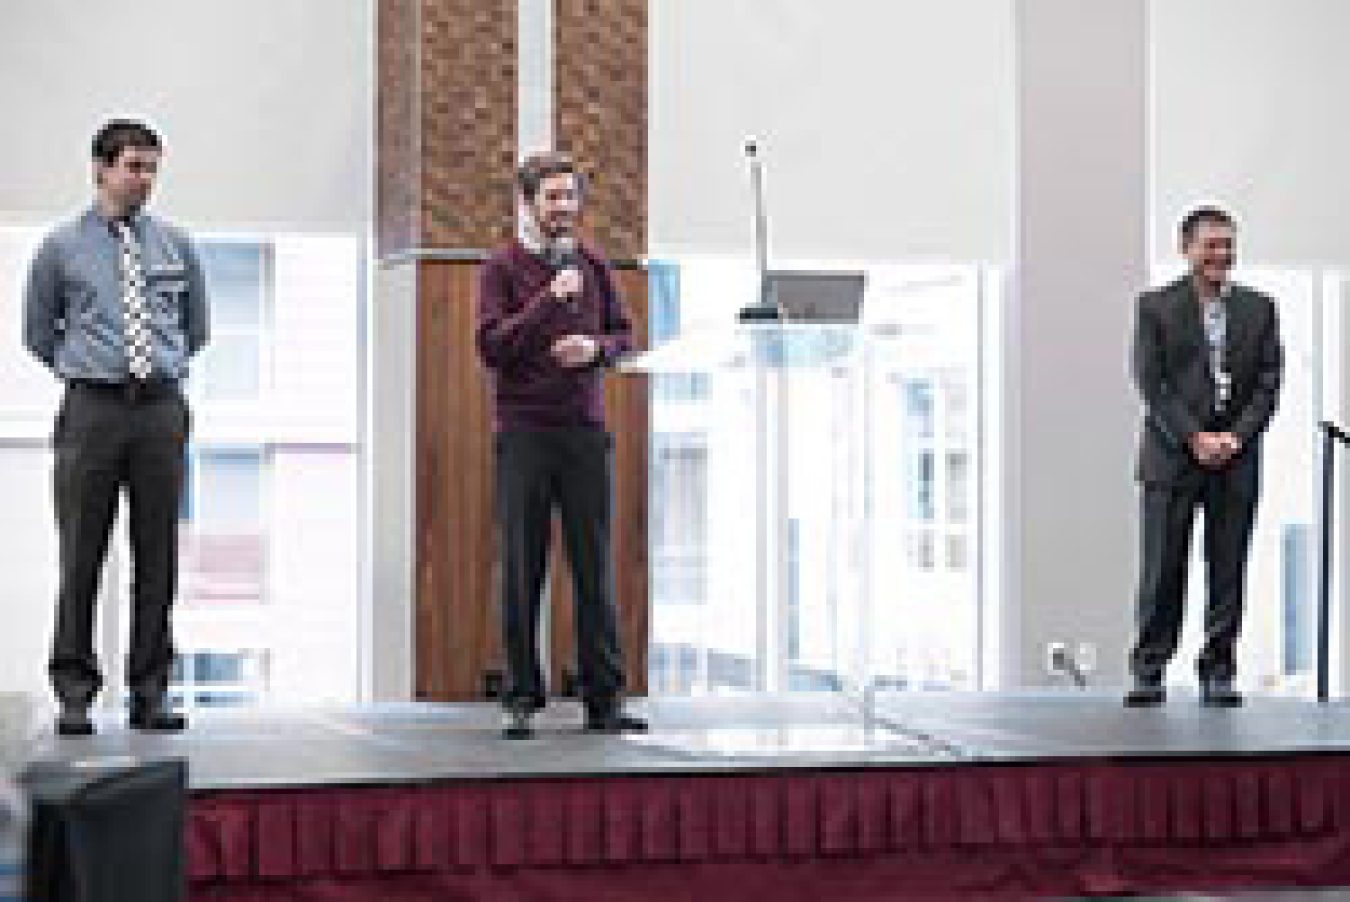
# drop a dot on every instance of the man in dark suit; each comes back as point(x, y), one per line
point(1208, 363)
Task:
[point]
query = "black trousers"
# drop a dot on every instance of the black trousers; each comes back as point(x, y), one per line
point(1228, 499)
point(539, 471)
point(107, 442)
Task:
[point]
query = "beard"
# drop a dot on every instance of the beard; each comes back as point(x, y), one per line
point(1216, 274)
point(556, 231)
point(133, 200)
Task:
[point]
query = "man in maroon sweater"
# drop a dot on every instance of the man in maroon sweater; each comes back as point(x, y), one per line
point(549, 322)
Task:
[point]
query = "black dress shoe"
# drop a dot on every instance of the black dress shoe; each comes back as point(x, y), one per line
point(1147, 692)
point(156, 719)
point(1219, 693)
point(74, 722)
point(614, 721)
point(516, 723)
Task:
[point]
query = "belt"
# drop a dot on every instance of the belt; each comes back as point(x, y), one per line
point(133, 390)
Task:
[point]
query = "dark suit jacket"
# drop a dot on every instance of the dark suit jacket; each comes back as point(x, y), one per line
point(1171, 370)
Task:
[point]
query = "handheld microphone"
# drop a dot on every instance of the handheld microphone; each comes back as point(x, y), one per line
point(563, 255)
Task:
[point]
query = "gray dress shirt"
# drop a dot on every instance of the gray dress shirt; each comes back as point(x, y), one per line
point(1214, 316)
point(73, 304)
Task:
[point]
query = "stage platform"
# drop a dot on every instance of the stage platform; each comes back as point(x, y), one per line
point(938, 796)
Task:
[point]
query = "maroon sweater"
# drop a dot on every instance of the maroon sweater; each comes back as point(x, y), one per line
point(518, 321)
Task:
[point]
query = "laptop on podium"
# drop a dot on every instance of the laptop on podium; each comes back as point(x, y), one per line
point(824, 298)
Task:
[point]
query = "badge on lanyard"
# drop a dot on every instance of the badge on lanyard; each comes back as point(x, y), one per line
point(1216, 327)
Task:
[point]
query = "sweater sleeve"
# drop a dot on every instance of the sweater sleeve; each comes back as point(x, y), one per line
point(506, 337)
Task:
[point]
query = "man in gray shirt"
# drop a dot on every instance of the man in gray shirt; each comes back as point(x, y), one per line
point(115, 306)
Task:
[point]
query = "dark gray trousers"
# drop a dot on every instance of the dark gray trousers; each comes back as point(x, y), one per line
point(107, 442)
point(1228, 499)
point(537, 472)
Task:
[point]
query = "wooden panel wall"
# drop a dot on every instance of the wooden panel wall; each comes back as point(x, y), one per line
point(600, 113)
point(458, 639)
point(446, 123)
point(468, 155)
point(456, 627)
point(397, 164)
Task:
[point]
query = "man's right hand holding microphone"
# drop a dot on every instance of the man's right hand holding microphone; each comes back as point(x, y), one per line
point(567, 283)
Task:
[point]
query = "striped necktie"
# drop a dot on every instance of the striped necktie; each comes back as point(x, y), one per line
point(135, 310)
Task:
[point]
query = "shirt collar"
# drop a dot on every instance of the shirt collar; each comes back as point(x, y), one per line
point(534, 241)
point(1225, 292)
point(95, 215)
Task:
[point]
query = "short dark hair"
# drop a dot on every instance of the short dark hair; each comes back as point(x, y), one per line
point(538, 166)
point(1200, 215)
point(119, 134)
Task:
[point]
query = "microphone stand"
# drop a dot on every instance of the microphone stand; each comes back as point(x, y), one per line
point(770, 390)
point(763, 310)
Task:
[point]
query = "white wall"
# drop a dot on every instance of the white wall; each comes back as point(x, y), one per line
point(887, 128)
point(1250, 112)
point(265, 106)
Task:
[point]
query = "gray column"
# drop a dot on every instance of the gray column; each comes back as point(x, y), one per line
point(391, 444)
point(1081, 256)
